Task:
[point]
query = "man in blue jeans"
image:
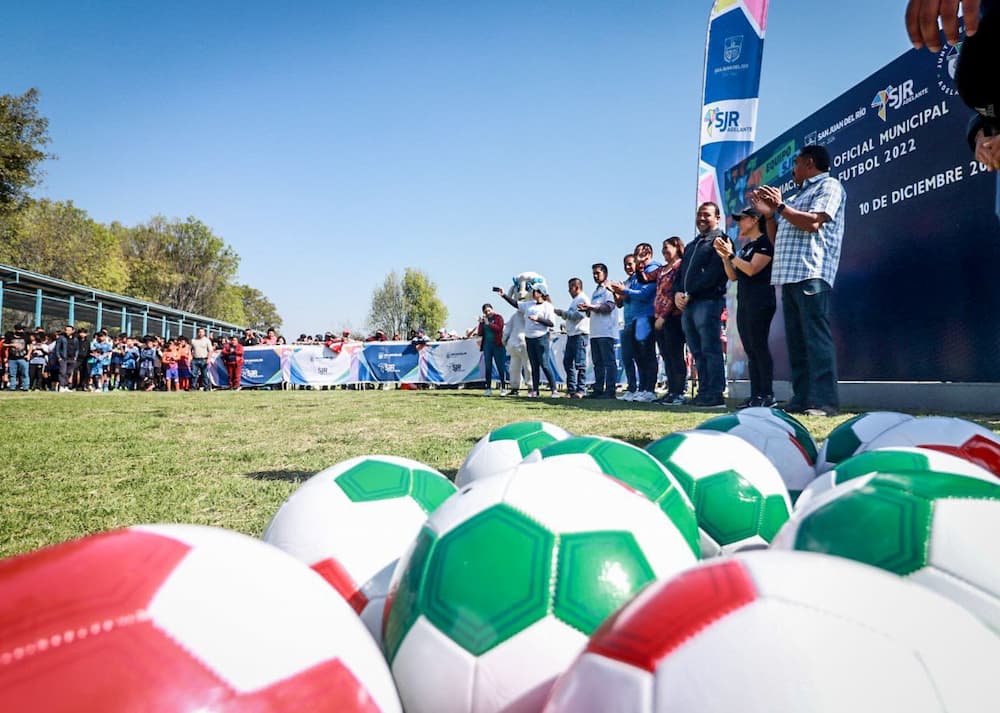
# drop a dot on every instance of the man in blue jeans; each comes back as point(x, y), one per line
point(699, 292)
point(17, 358)
point(577, 334)
point(808, 232)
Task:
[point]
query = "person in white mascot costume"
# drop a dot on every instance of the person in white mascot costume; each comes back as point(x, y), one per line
point(513, 330)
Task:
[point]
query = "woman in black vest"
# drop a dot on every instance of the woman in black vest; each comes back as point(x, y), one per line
point(755, 301)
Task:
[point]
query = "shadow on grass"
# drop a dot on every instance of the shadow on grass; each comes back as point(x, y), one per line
point(288, 476)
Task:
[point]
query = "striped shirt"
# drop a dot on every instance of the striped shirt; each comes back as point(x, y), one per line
point(800, 255)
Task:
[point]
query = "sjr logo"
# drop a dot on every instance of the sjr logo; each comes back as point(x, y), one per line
point(721, 121)
point(892, 97)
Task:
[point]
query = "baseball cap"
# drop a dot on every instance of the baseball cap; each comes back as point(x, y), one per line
point(749, 212)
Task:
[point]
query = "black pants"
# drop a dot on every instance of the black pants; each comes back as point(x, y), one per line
point(753, 320)
point(36, 372)
point(670, 341)
point(67, 368)
point(811, 351)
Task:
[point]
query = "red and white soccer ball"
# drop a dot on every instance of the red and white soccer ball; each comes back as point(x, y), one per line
point(353, 521)
point(180, 618)
point(784, 632)
point(954, 436)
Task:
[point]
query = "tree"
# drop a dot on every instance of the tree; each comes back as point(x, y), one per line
point(407, 304)
point(58, 239)
point(179, 263)
point(388, 308)
point(23, 135)
point(423, 307)
point(259, 311)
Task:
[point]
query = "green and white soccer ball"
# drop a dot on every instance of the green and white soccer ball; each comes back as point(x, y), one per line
point(631, 466)
point(353, 521)
point(507, 579)
point(890, 460)
point(740, 500)
point(850, 437)
point(938, 529)
point(779, 440)
point(500, 450)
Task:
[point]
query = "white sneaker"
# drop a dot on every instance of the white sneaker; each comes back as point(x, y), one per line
point(626, 396)
point(488, 392)
point(555, 394)
point(644, 397)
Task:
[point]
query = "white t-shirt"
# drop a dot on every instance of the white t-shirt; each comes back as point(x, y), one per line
point(545, 310)
point(604, 325)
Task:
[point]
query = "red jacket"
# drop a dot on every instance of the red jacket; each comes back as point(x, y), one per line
point(495, 322)
point(232, 353)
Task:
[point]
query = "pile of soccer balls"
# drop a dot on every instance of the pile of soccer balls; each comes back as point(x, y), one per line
point(565, 573)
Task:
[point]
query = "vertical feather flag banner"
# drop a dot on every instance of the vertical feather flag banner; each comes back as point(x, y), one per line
point(733, 52)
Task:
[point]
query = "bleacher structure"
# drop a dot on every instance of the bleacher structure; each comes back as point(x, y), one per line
point(33, 299)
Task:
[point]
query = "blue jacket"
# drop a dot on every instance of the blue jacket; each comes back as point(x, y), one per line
point(639, 296)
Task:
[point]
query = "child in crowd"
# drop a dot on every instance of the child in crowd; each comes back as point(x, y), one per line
point(115, 366)
point(170, 357)
point(130, 364)
point(38, 359)
point(183, 351)
point(148, 356)
point(99, 361)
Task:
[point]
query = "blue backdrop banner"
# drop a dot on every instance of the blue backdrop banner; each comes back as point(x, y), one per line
point(916, 297)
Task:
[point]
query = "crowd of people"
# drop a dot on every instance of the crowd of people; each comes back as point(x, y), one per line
point(75, 360)
point(792, 243)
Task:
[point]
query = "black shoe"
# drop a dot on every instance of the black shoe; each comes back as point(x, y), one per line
point(792, 407)
point(704, 401)
point(670, 400)
point(767, 401)
point(752, 402)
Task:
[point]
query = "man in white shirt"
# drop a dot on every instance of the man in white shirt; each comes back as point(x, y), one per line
point(577, 333)
point(603, 330)
point(201, 350)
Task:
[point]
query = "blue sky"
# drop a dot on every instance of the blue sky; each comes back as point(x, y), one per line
point(331, 142)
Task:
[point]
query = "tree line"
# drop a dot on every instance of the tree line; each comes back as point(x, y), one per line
point(404, 305)
point(179, 263)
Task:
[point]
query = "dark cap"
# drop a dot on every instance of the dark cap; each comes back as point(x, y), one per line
point(749, 211)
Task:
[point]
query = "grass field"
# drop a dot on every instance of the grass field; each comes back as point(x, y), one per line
point(75, 464)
